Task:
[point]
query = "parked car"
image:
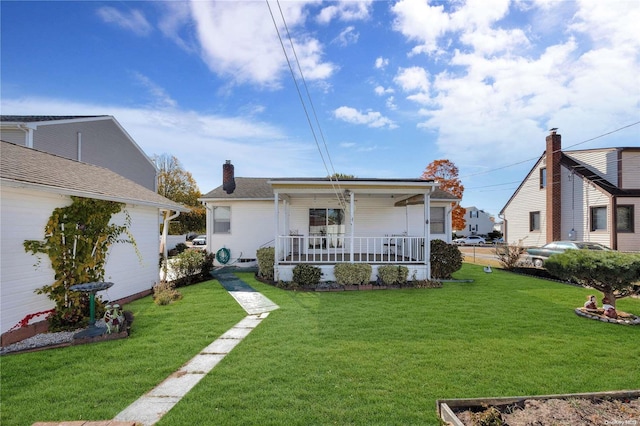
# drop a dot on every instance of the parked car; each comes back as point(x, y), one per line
point(538, 256)
point(199, 242)
point(472, 239)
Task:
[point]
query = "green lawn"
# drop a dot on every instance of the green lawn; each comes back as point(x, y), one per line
point(376, 357)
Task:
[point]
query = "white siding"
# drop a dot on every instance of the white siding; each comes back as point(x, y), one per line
point(529, 198)
point(602, 161)
point(24, 216)
point(481, 223)
point(631, 169)
point(252, 226)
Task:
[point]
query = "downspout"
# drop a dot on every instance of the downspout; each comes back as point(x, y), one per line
point(28, 133)
point(165, 231)
point(276, 257)
point(614, 226)
point(79, 146)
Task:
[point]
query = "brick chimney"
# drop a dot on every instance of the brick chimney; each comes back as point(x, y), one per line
point(554, 211)
point(228, 178)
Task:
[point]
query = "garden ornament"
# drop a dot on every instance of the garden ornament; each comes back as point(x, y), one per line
point(113, 318)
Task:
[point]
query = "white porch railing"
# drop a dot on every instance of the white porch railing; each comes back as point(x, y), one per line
point(339, 248)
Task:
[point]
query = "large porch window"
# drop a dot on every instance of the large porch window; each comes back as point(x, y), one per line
point(327, 225)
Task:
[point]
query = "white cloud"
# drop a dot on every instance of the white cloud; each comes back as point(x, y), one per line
point(345, 10)
point(380, 91)
point(418, 21)
point(175, 23)
point(347, 36)
point(369, 118)
point(416, 80)
point(202, 142)
point(133, 20)
point(251, 52)
point(161, 98)
point(381, 62)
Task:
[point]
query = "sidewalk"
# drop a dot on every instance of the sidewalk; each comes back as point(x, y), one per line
point(150, 408)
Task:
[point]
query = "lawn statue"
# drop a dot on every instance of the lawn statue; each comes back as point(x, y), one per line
point(113, 318)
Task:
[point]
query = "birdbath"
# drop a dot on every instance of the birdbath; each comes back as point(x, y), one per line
point(92, 289)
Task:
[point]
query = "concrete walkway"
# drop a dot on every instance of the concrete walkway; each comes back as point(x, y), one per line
point(156, 403)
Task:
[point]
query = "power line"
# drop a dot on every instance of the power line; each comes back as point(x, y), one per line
point(536, 158)
point(337, 191)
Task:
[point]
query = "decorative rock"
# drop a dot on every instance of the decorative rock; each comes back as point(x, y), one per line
point(627, 319)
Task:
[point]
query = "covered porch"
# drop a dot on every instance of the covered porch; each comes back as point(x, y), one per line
point(375, 221)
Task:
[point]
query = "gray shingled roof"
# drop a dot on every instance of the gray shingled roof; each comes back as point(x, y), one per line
point(260, 188)
point(46, 171)
point(38, 118)
point(254, 188)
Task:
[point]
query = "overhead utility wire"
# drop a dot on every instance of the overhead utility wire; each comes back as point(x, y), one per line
point(535, 158)
point(340, 199)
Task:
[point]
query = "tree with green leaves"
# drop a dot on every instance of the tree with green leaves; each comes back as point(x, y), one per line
point(615, 274)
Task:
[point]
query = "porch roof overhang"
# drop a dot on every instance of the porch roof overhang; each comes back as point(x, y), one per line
point(400, 189)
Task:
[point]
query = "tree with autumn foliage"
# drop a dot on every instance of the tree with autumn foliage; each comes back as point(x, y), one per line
point(177, 184)
point(445, 173)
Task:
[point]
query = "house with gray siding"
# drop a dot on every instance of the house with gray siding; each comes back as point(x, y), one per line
point(98, 140)
point(583, 195)
point(325, 221)
point(32, 184)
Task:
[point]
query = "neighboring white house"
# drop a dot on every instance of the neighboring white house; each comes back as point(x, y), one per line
point(478, 222)
point(98, 140)
point(324, 222)
point(585, 195)
point(33, 184)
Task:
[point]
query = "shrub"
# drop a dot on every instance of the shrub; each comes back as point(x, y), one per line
point(164, 293)
point(180, 247)
point(615, 274)
point(207, 265)
point(390, 274)
point(509, 255)
point(305, 274)
point(188, 267)
point(352, 273)
point(266, 261)
point(445, 259)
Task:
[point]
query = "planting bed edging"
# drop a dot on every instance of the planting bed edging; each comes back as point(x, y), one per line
point(630, 320)
point(446, 413)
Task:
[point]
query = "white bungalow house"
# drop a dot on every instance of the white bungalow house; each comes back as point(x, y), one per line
point(96, 139)
point(323, 221)
point(584, 195)
point(33, 184)
point(478, 222)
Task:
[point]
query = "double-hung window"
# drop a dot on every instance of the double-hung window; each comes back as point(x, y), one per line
point(437, 220)
point(222, 220)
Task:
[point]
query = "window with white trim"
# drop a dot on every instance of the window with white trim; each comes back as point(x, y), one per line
point(222, 220)
point(437, 220)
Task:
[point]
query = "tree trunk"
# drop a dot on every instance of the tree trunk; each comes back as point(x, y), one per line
point(612, 298)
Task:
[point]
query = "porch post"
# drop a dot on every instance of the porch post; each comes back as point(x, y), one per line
point(427, 233)
point(351, 208)
point(276, 273)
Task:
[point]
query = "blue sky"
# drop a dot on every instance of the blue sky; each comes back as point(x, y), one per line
point(388, 86)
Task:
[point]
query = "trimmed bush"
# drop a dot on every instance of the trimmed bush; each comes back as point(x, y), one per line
point(445, 259)
point(509, 255)
point(391, 275)
point(266, 260)
point(188, 267)
point(615, 274)
point(180, 247)
point(305, 274)
point(352, 273)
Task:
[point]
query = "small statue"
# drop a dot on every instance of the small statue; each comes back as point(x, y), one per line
point(113, 318)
